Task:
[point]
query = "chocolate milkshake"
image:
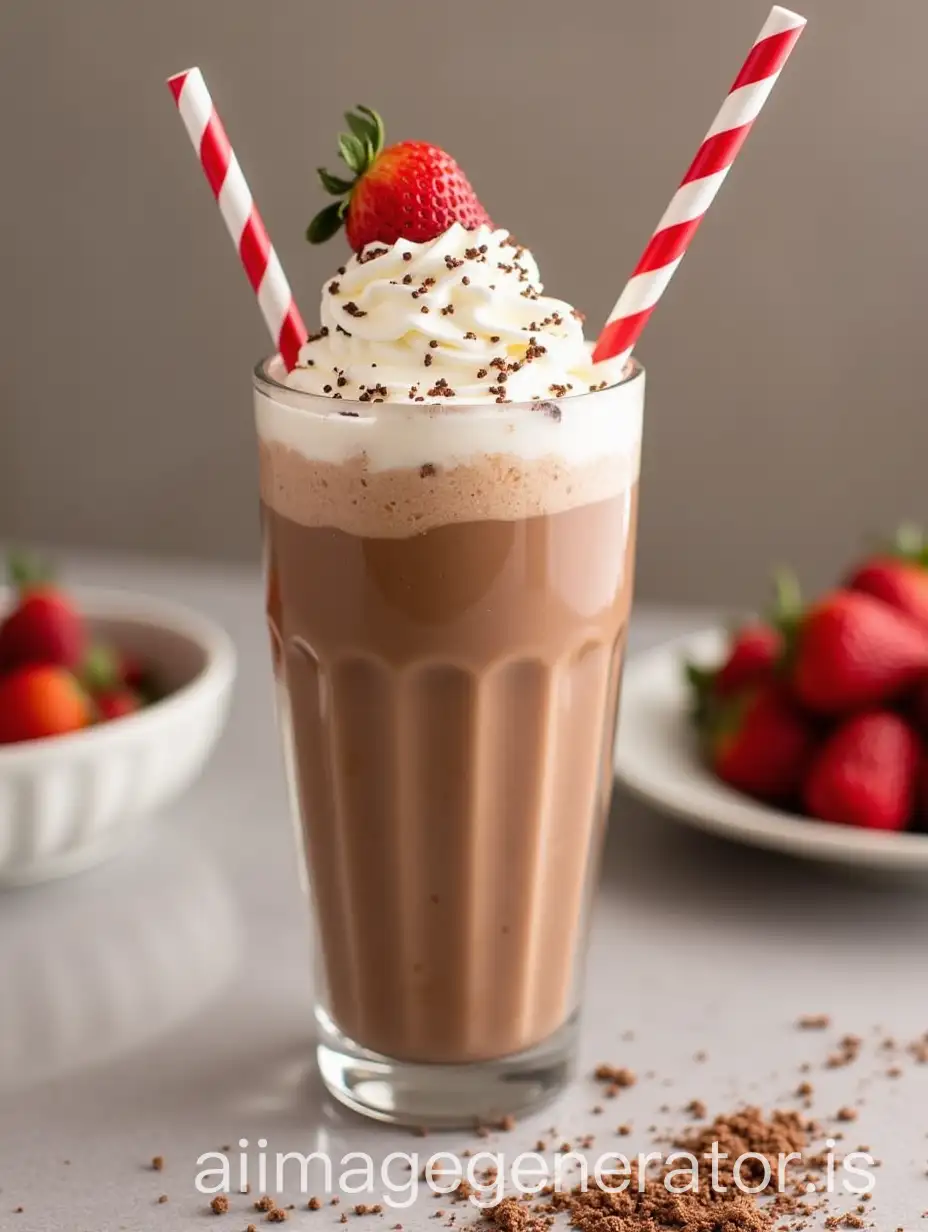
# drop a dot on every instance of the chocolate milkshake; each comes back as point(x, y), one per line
point(449, 503)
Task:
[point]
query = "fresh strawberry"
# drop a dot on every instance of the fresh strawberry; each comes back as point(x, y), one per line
point(412, 190)
point(759, 743)
point(39, 701)
point(44, 627)
point(898, 574)
point(865, 774)
point(132, 671)
point(899, 583)
point(752, 657)
point(850, 651)
point(116, 704)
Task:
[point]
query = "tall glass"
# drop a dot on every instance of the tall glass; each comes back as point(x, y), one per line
point(448, 590)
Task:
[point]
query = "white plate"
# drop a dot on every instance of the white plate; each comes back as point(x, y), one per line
point(657, 760)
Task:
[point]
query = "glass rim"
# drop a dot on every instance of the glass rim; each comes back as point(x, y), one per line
point(268, 384)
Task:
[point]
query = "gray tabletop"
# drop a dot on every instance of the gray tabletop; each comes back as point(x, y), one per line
point(160, 1005)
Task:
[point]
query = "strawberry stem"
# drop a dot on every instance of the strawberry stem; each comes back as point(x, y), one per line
point(358, 149)
point(909, 544)
point(25, 571)
point(700, 681)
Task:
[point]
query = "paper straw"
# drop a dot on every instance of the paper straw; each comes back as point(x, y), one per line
point(222, 170)
point(689, 204)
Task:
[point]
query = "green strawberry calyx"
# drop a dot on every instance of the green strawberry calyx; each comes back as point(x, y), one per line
point(358, 149)
point(787, 613)
point(910, 545)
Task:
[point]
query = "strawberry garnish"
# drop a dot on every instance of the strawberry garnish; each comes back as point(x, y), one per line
point(411, 190)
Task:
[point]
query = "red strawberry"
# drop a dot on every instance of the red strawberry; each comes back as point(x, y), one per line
point(412, 190)
point(752, 657)
point(900, 583)
point(865, 773)
point(44, 627)
point(132, 671)
point(116, 704)
point(760, 744)
point(851, 651)
point(39, 701)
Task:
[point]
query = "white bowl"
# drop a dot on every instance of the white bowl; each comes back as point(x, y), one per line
point(68, 802)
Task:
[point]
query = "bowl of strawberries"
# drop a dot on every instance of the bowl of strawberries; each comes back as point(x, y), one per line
point(110, 704)
point(804, 730)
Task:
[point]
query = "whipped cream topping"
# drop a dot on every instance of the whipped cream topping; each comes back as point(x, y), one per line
point(460, 318)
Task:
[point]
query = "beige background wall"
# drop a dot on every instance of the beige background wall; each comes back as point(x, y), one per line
point(787, 413)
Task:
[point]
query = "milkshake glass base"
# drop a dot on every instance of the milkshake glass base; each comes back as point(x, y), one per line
point(433, 1096)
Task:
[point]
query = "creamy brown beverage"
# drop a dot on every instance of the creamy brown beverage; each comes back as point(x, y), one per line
point(449, 582)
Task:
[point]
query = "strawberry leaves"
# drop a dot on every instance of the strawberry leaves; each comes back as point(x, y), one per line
point(358, 149)
point(333, 184)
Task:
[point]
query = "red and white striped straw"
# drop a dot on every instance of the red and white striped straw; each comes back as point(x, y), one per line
point(687, 208)
point(222, 170)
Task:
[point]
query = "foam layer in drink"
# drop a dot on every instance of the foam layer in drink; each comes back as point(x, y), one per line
point(392, 470)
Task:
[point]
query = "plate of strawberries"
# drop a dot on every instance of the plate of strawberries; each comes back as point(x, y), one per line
point(805, 730)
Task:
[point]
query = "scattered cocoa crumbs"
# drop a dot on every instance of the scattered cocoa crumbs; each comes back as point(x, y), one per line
point(814, 1022)
point(277, 1215)
point(805, 1090)
point(162, 1199)
point(18, 1210)
point(848, 1052)
point(696, 1108)
point(507, 1123)
point(265, 1203)
point(919, 1050)
point(846, 1114)
point(624, 1130)
point(219, 1204)
point(343, 1218)
point(251, 1228)
point(157, 1163)
point(314, 1204)
point(894, 1072)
